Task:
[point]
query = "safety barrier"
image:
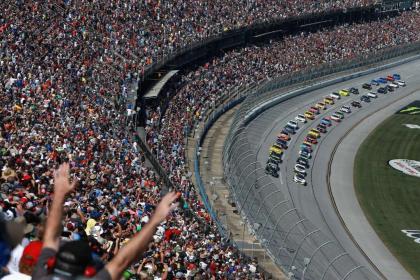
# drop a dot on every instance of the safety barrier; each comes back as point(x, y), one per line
point(299, 247)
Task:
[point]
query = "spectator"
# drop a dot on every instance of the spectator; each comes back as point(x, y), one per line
point(66, 68)
point(11, 234)
point(74, 258)
point(27, 262)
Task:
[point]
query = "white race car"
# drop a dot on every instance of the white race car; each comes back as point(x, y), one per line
point(394, 85)
point(401, 83)
point(305, 154)
point(335, 95)
point(293, 124)
point(300, 179)
point(299, 168)
point(345, 109)
point(300, 118)
point(372, 95)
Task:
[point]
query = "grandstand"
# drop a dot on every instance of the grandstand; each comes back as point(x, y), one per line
point(70, 71)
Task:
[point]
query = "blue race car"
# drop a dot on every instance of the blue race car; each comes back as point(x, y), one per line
point(396, 76)
point(374, 83)
point(282, 143)
point(305, 149)
point(326, 122)
point(382, 80)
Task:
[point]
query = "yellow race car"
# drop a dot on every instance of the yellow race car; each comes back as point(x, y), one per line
point(321, 106)
point(328, 100)
point(344, 92)
point(276, 150)
point(309, 115)
point(315, 132)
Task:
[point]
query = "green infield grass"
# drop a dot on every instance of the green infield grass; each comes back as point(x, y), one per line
point(389, 198)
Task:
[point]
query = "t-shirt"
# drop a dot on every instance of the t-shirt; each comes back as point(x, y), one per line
point(41, 272)
point(13, 264)
point(16, 276)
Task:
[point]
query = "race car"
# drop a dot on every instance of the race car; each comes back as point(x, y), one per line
point(320, 106)
point(275, 154)
point(396, 76)
point(389, 88)
point(293, 124)
point(340, 114)
point(394, 85)
point(300, 179)
point(270, 169)
point(321, 128)
point(315, 132)
point(300, 118)
point(401, 83)
point(276, 150)
point(365, 98)
point(283, 137)
point(309, 115)
point(345, 109)
point(382, 80)
point(372, 94)
point(306, 147)
point(329, 100)
point(275, 157)
point(275, 163)
point(314, 110)
point(354, 90)
point(282, 144)
point(367, 86)
point(310, 140)
point(303, 161)
point(335, 118)
point(374, 83)
point(305, 154)
point(300, 169)
point(326, 121)
point(289, 129)
point(335, 95)
point(382, 90)
point(356, 104)
point(390, 78)
point(344, 92)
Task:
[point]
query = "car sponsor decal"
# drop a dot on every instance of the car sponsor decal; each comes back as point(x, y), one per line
point(407, 166)
point(412, 233)
point(414, 126)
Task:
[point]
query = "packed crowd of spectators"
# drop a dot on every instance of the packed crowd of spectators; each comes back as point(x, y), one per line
point(65, 69)
point(202, 87)
point(138, 33)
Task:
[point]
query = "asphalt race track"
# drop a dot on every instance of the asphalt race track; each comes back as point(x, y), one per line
point(315, 201)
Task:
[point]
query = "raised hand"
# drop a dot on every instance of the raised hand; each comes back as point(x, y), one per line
point(62, 185)
point(166, 205)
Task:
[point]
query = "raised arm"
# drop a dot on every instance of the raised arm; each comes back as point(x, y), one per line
point(136, 247)
point(62, 186)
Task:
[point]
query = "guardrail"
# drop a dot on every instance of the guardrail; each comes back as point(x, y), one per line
point(299, 247)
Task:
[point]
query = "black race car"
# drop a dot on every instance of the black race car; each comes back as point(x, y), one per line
point(356, 104)
point(367, 86)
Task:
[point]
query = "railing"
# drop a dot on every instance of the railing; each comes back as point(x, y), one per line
point(299, 247)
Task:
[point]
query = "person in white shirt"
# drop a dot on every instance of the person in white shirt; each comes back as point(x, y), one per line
point(27, 262)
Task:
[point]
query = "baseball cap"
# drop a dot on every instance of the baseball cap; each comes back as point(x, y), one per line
point(31, 253)
point(73, 257)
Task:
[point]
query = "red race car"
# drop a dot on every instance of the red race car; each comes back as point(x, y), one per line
point(314, 110)
point(390, 78)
